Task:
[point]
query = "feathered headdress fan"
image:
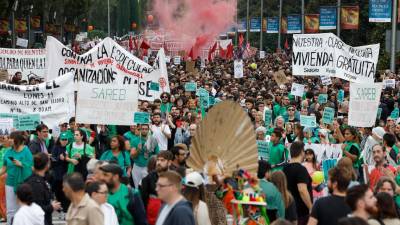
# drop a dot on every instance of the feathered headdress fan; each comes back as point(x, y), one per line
point(225, 141)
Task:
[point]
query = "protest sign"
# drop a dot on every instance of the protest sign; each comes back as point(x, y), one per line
point(108, 63)
point(204, 99)
point(328, 164)
point(308, 121)
point(177, 60)
point(322, 98)
point(53, 100)
point(326, 54)
point(280, 77)
point(325, 151)
point(267, 117)
point(190, 66)
point(389, 83)
point(28, 121)
point(263, 150)
point(262, 54)
point(30, 62)
point(191, 86)
point(6, 126)
point(297, 90)
point(14, 117)
point(326, 80)
point(340, 96)
point(211, 100)
point(327, 18)
point(141, 118)
point(154, 86)
point(238, 69)
point(21, 42)
point(328, 115)
point(201, 92)
point(380, 10)
point(364, 102)
point(395, 114)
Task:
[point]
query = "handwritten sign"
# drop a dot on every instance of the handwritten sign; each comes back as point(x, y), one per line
point(308, 121)
point(326, 80)
point(28, 121)
point(297, 89)
point(238, 68)
point(328, 115)
point(6, 126)
point(263, 150)
point(141, 118)
point(191, 86)
point(322, 98)
point(267, 117)
point(340, 96)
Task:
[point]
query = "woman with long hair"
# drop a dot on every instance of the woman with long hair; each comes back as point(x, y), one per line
point(118, 154)
point(278, 178)
point(79, 153)
point(351, 145)
point(18, 162)
point(194, 193)
point(387, 213)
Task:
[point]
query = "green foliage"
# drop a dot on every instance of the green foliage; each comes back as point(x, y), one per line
point(96, 34)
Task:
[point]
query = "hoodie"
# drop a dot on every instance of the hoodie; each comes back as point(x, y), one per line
point(29, 215)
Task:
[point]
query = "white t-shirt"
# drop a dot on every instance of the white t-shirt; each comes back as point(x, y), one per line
point(110, 217)
point(29, 215)
point(201, 213)
point(160, 137)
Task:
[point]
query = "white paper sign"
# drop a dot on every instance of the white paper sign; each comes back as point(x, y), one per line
point(389, 83)
point(106, 63)
point(22, 42)
point(238, 68)
point(53, 100)
point(364, 102)
point(262, 54)
point(30, 62)
point(106, 104)
point(297, 90)
point(326, 54)
point(326, 80)
point(325, 151)
point(6, 126)
point(177, 60)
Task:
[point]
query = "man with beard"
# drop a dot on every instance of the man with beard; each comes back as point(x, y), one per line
point(362, 201)
point(178, 164)
point(339, 179)
point(160, 131)
point(148, 191)
point(120, 196)
point(174, 121)
point(381, 167)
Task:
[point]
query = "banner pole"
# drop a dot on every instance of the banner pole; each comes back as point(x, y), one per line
point(302, 16)
point(394, 37)
point(261, 31)
point(279, 25)
point(338, 18)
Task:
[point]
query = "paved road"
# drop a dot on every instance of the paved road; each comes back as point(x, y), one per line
point(56, 220)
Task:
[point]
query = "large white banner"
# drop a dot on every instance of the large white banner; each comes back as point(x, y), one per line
point(325, 151)
point(53, 100)
point(30, 62)
point(326, 54)
point(106, 63)
point(364, 102)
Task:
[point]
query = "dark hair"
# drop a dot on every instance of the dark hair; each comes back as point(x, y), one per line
point(382, 181)
point(40, 127)
point(386, 206)
point(157, 114)
point(353, 132)
point(278, 132)
point(40, 161)
point(354, 194)
point(72, 120)
point(352, 221)
point(263, 167)
point(175, 151)
point(121, 142)
point(341, 176)
point(93, 187)
point(75, 182)
point(194, 195)
point(25, 193)
point(18, 138)
point(389, 139)
point(296, 149)
point(166, 155)
point(151, 164)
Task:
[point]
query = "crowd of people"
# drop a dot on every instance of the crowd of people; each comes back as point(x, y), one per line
point(103, 174)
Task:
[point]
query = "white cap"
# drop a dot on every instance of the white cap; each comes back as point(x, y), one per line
point(193, 179)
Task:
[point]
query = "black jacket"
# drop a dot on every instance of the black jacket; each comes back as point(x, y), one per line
point(58, 166)
point(182, 213)
point(148, 187)
point(42, 195)
point(35, 148)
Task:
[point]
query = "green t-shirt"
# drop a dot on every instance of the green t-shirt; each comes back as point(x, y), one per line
point(3, 151)
point(119, 200)
point(132, 138)
point(72, 150)
point(165, 107)
point(277, 154)
point(349, 144)
point(143, 157)
point(279, 110)
point(273, 197)
point(123, 162)
point(70, 136)
point(15, 174)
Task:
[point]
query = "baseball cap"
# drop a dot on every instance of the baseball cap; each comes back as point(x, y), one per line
point(63, 136)
point(112, 168)
point(193, 179)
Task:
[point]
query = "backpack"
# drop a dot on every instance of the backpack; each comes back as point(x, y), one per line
point(136, 207)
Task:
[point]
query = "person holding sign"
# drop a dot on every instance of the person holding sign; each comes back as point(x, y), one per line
point(18, 162)
point(79, 153)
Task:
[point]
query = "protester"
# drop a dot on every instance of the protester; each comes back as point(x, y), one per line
point(387, 213)
point(275, 203)
point(83, 210)
point(98, 191)
point(38, 183)
point(361, 201)
point(176, 209)
point(299, 182)
point(38, 144)
point(194, 192)
point(381, 168)
point(5, 146)
point(178, 163)
point(278, 153)
point(148, 191)
point(29, 212)
point(160, 131)
point(118, 154)
point(18, 162)
point(339, 179)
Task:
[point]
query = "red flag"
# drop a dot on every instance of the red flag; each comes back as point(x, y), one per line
point(144, 45)
point(214, 47)
point(130, 43)
point(136, 43)
point(191, 54)
point(222, 52)
point(241, 39)
point(209, 55)
point(229, 51)
point(286, 44)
